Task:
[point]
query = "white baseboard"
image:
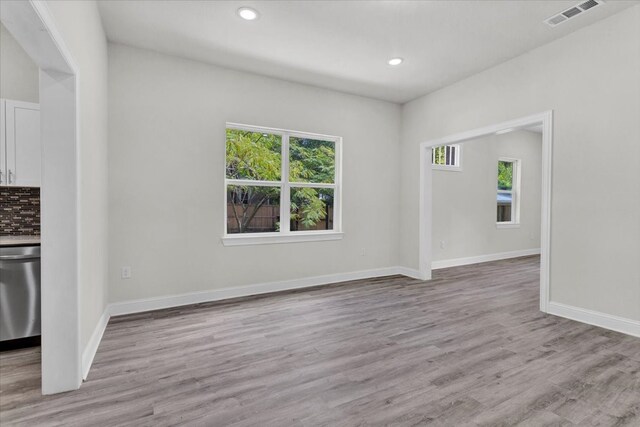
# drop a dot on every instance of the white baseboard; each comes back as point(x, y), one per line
point(607, 321)
point(410, 272)
point(156, 303)
point(455, 262)
point(92, 346)
point(619, 324)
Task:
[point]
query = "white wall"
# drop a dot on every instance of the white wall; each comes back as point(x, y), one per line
point(81, 28)
point(18, 73)
point(166, 170)
point(590, 80)
point(464, 203)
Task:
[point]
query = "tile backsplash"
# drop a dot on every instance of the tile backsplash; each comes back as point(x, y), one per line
point(19, 211)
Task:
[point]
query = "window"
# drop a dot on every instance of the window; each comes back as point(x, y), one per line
point(508, 192)
point(446, 157)
point(280, 186)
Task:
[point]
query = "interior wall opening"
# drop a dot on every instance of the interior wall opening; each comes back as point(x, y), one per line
point(447, 236)
point(33, 28)
point(487, 199)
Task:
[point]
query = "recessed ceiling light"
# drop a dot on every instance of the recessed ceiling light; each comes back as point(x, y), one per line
point(500, 132)
point(395, 61)
point(247, 13)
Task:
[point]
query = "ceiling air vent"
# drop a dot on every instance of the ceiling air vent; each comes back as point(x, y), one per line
point(588, 4)
point(556, 20)
point(572, 12)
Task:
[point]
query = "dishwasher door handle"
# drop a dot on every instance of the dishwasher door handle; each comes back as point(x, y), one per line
point(18, 257)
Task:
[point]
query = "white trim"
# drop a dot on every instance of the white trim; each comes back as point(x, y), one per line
point(596, 318)
point(337, 192)
point(51, 382)
point(425, 256)
point(271, 238)
point(94, 342)
point(410, 272)
point(22, 104)
point(311, 185)
point(253, 183)
point(446, 168)
point(35, 29)
point(615, 323)
point(285, 235)
point(279, 131)
point(45, 15)
point(454, 262)
point(285, 189)
point(545, 234)
point(501, 225)
point(157, 303)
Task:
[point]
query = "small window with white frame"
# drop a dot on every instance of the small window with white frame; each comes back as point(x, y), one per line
point(281, 186)
point(446, 157)
point(508, 192)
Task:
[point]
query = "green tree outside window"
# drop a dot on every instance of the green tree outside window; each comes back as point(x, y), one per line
point(258, 156)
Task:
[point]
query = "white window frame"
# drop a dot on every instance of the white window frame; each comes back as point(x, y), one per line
point(515, 192)
point(285, 235)
point(457, 167)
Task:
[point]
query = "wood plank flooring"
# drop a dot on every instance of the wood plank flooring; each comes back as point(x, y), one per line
point(468, 348)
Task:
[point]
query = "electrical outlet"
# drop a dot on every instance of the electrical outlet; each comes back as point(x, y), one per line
point(125, 272)
point(442, 245)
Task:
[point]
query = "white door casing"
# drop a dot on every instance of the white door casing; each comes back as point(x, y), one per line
point(425, 201)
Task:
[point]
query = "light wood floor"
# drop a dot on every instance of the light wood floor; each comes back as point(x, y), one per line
point(468, 348)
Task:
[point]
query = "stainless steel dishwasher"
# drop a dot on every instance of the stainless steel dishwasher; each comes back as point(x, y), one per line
point(19, 292)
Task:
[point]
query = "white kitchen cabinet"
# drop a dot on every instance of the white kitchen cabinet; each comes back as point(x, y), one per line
point(20, 149)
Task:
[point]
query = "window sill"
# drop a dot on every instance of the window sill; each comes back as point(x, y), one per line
point(446, 168)
point(507, 225)
point(274, 238)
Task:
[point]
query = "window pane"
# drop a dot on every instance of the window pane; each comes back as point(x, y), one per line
point(445, 155)
point(311, 209)
point(505, 203)
point(253, 209)
point(438, 155)
point(253, 155)
point(505, 175)
point(311, 160)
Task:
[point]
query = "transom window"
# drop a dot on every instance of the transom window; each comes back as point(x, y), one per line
point(446, 157)
point(508, 192)
point(281, 183)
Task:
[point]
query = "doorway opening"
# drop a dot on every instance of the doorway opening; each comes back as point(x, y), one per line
point(506, 214)
point(32, 26)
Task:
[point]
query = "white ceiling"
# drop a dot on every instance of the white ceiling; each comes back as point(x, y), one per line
point(345, 45)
